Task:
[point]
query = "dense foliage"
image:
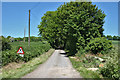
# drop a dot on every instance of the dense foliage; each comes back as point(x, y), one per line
point(108, 68)
point(36, 49)
point(72, 25)
point(111, 67)
point(5, 44)
point(99, 45)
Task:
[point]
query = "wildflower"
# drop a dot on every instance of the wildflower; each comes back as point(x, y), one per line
point(101, 65)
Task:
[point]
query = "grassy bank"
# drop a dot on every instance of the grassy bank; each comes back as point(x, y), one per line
point(83, 71)
point(81, 62)
point(79, 66)
point(23, 68)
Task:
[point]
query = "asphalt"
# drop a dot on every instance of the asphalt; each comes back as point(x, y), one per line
point(57, 66)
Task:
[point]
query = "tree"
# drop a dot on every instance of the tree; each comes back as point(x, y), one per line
point(26, 38)
point(115, 38)
point(82, 22)
point(18, 39)
point(72, 25)
point(5, 44)
point(119, 38)
point(32, 38)
point(50, 29)
point(8, 37)
point(109, 37)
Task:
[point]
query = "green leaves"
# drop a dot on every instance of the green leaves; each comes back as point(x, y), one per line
point(111, 67)
point(72, 25)
point(98, 45)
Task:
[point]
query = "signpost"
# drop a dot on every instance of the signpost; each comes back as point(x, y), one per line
point(20, 52)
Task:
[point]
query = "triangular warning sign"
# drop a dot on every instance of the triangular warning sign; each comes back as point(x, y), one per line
point(20, 51)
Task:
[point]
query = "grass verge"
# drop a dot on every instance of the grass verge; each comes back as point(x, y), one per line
point(26, 67)
point(83, 71)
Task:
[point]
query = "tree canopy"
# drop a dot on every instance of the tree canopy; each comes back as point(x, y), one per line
point(72, 25)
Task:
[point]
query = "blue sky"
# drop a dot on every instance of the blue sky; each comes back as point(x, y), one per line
point(15, 16)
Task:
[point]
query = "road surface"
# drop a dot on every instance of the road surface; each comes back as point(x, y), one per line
point(57, 66)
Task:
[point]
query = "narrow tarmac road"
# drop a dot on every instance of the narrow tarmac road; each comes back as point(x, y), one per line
point(57, 66)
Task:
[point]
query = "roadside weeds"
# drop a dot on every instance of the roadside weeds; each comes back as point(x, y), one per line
point(83, 71)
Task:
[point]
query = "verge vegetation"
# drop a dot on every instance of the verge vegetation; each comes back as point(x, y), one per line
point(107, 68)
point(20, 69)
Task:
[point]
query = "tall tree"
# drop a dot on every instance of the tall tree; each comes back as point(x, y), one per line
point(50, 30)
point(72, 25)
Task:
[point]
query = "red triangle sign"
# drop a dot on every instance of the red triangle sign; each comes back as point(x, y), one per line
point(20, 51)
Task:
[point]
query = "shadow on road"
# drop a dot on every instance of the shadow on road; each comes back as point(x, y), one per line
point(62, 52)
point(65, 54)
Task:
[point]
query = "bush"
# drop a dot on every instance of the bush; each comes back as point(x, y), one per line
point(111, 69)
point(5, 44)
point(80, 52)
point(99, 45)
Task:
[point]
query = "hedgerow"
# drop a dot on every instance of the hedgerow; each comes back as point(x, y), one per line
point(36, 49)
